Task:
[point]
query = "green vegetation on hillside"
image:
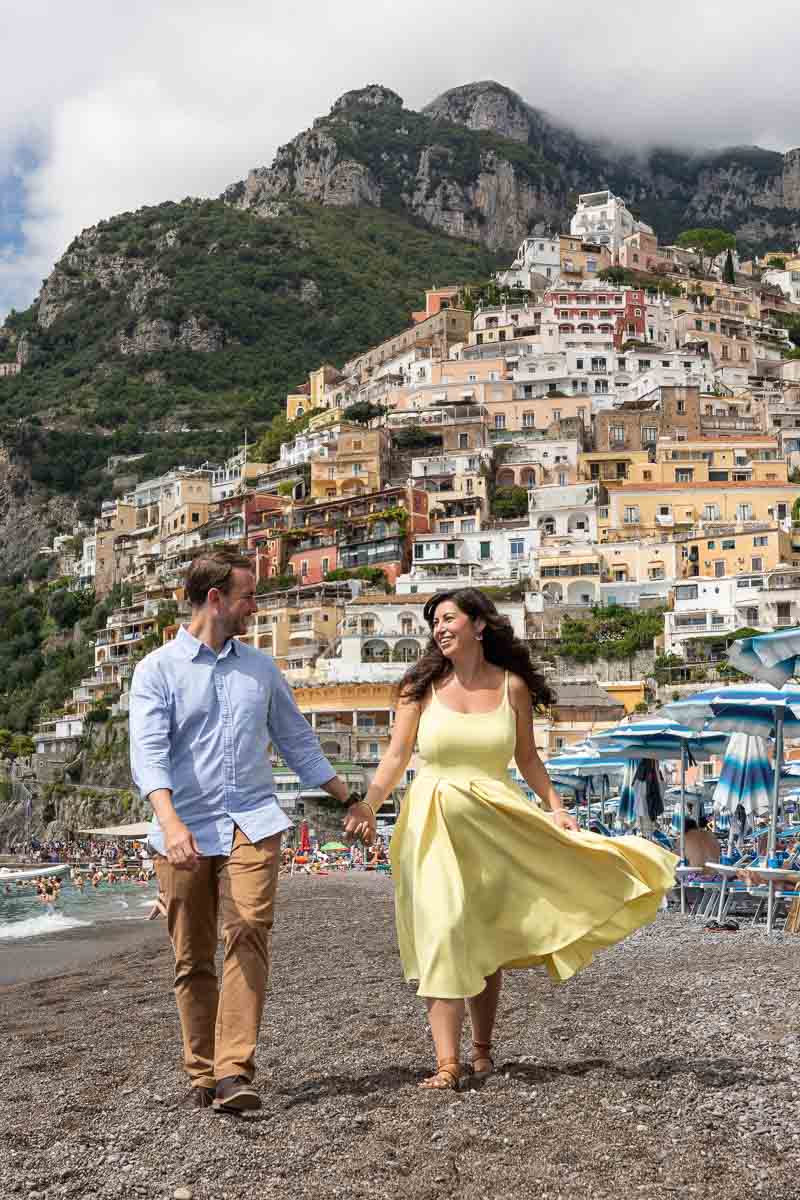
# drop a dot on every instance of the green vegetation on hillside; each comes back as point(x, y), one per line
point(610, 633)
point(390, 142)
point(314, 285)
point(39, 663)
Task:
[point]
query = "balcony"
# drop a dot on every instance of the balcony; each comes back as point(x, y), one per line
point(437, 416)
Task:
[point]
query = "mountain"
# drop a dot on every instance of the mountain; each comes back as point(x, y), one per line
point(173, 329)
point(481, 164)
point(170, 330)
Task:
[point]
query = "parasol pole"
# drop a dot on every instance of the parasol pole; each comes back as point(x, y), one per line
point(683, 825)
point(603, 799)
point(772, 858)
point(727, 859)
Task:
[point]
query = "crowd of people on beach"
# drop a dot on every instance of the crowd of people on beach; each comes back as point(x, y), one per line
point(107, 851)
point(319, 862)
point(48, 887)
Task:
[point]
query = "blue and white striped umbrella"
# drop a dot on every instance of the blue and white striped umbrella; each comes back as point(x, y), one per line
point(746, 777)
point(585, 764)
point(750, 708)
point(771, 657)
point(659, 738)
point(759, 710)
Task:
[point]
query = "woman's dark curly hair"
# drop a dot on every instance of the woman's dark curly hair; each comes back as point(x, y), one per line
point(501, 647)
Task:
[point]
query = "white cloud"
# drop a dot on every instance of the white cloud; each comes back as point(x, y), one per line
point(133, 104)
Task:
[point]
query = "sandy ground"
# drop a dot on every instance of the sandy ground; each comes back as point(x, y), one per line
point(668, 1068)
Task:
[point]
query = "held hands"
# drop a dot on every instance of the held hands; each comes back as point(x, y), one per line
point(564, 820)
point(181, 848)
point(360, 823)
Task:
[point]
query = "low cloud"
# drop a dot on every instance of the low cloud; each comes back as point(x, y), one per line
point(119, 106)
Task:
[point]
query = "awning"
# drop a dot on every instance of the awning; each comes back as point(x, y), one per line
point(138, 830)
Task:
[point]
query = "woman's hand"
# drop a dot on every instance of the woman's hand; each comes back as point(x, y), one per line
point(360, 823)
point(564, 820)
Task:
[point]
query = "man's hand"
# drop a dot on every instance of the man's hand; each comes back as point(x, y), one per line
point(360, 823)
point(180, 846)
point(565, 820)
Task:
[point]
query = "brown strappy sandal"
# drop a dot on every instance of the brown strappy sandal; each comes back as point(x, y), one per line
point(448, 1071)
point(481, 1054)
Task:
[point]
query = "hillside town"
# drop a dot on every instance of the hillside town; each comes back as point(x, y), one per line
point(609, 428)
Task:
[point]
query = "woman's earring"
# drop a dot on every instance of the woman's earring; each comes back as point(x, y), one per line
point(478, 637)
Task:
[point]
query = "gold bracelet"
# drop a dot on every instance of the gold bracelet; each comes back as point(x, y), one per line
point(353, 800)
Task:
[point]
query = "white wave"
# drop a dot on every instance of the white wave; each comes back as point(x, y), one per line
point(36, 926)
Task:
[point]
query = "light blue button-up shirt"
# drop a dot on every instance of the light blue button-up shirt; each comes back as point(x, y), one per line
point(201, 724)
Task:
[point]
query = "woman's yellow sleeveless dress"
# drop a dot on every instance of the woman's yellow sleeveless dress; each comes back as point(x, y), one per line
point(484, 879)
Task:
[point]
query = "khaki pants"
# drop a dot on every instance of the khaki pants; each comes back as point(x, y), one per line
point(220, 1029)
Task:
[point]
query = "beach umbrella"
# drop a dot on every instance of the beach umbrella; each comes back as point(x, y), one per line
point(745, 787)
point(330, 846)
point(769, 657)
point(657, 737)
point(660, 737)
point(757, 709)
point(585, 762)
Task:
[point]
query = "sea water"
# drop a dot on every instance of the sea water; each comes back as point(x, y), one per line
point(22, 914)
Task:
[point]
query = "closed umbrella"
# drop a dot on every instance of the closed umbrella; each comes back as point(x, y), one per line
point(757, 709)
point(745, 786)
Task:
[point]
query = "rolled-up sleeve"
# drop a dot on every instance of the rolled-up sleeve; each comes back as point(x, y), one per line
point(151, 764)
point(293, 736)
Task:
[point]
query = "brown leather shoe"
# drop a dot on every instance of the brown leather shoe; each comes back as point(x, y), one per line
point(236, 1094)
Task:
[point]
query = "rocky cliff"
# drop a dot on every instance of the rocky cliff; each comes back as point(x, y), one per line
point(29, 516)
point(481, 164)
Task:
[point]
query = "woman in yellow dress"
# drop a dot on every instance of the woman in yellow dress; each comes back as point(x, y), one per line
point(483, 878)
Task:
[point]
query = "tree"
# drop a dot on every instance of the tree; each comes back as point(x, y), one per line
point(22, 746)
point(65, 608)
point(616, 275)
point(728, 273)
point(707, 243)
point(510, 502)
point(363, 412)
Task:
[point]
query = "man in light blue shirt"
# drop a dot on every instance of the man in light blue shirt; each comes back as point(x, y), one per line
point(203, 711)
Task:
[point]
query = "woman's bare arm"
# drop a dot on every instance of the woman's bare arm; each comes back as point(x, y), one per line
point(526, 756)
point(390, 769)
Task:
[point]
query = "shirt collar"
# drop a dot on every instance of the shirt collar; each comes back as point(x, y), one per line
point(190, 646)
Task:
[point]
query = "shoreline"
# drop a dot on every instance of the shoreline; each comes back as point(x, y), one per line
point(51, 956)
point(625, 1081)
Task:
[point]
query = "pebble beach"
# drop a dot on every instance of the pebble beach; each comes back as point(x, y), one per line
point(668, 1068)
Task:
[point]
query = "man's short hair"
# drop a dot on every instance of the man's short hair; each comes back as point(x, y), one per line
point(213, 570)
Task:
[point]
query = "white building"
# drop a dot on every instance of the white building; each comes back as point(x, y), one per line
point(537, 258)
point(87, 565)
point(704, 607)
point(787, 281)
point(569, 511)
point(307, 445)
point(495, 557)
point(378, 642)
point(603, 219)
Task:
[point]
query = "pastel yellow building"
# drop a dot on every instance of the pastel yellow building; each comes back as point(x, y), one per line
point(640, 561)
point(356, 463)
point(748, 459)
point(294, 635)
point(602, 465)
point(635, 509)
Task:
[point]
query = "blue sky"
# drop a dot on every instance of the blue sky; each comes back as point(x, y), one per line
point(136, 104)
